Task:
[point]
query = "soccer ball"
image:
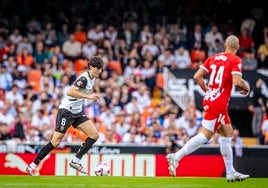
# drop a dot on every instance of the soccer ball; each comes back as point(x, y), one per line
point(102, 169)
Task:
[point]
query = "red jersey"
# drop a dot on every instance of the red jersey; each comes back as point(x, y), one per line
point(220, 67)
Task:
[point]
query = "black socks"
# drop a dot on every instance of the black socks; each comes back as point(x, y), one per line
point(44, 151)
point(85, 147)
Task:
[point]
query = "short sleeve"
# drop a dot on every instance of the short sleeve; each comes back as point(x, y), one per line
point(237, 66)
point(81, 82)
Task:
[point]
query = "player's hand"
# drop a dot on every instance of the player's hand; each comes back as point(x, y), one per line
point(244, 92)
point(94, 96)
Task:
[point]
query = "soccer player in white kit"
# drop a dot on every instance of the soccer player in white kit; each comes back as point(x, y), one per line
point(71, 113)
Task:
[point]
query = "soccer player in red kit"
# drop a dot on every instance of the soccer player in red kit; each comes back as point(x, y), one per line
point(224, 71)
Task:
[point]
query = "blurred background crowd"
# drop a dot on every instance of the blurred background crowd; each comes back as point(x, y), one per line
point(44, 45)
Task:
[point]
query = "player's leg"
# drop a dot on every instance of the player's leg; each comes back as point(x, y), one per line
point(56, 139)
point(63, 121)
point(92, 135)
point(193, 144)
point(226, 131)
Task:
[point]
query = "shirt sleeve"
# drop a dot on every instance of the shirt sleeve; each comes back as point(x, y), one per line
point(81, 82)
point(237, 66)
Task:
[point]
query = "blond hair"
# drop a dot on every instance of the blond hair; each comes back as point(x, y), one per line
point(232, 42)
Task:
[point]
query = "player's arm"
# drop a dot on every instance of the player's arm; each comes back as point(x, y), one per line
point(199, 79)
point(74, 92)
point(81, 83)
point(240, 83)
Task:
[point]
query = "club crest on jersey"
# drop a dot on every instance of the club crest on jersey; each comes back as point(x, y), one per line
point(79, 83)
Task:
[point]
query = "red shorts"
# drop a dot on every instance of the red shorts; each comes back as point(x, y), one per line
point(215, 115)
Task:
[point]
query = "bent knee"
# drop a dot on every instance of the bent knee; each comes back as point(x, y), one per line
point(95, 136)
point(55, 143)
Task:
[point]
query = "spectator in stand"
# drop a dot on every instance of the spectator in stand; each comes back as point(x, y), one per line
point(150, 47)
point(40, 122)
point(167, 58)
point(79, 34)
point(63, 34)
point(216, 48)
point(257, 108)
point(211, 36)
point(39, 54)
point(56, 70)
point(12, 50)
point(96, 34)
point(46, 81)
point(111, 34)
point(7, 113)
point(128, 34)
point(15, 37)
point(125, 94)
point(89, 49)
point(237, 143)
point(14, 97)
point(27, 112)
point(178, 33)
point(25, 58)
point(155, 121)
point(132, 106)
point(196, 38)
point(71, 48)
point(56, 51)
point(246, 42)
point(249, 62)
point(107, 117)
point(33, 27)
point(111, 137)
point(248, 23)
point(19, 75)
point(18, 129)
point(10, 63)
point(107, 46)
point(121, 126)
point(5, 78)
point(170, 124)
point(188, 123)
point(131, 68)
point(25, 43)
point(195, 111)
point(132, 136)
point(69, 71)
point(50, 36)
point(6, 137)
point(121, 50)
point(148, 74)
point(262, 52)
point(182, 58)
point(143, 96)
point(145, 34)
point(161, 34)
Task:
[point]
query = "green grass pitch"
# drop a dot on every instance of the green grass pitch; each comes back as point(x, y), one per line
point(125, 182)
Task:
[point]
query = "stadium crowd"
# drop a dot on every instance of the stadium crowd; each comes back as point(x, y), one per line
point(40, 56)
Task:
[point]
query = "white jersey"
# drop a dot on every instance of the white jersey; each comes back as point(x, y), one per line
point(75, 105)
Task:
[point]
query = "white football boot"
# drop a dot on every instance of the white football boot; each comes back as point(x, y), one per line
point(236, 176)
point(172, 164)
point(78, 166)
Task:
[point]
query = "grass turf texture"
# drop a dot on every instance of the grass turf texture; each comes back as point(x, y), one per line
point(128, 182)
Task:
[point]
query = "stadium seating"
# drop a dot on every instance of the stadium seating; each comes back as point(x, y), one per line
point(249, 141)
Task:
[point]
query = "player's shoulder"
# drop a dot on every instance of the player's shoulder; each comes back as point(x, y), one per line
point(83, 74)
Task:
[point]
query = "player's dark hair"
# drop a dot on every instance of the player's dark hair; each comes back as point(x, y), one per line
point(95, 61)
